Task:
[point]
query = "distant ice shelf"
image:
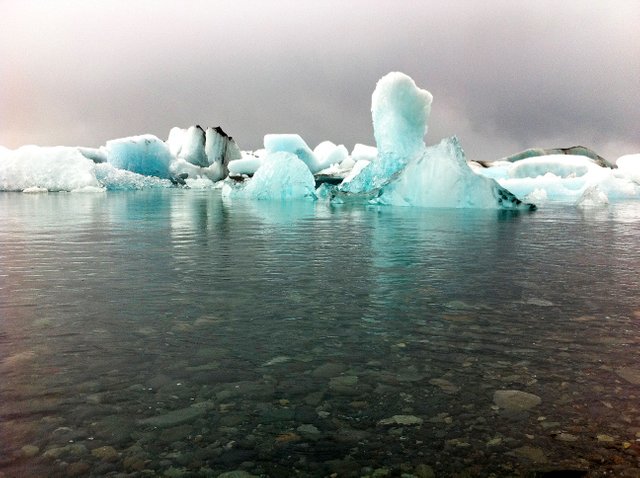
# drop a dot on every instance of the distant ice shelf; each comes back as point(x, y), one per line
point(400, 170)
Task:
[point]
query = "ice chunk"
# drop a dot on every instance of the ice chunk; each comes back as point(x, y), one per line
point(282, 176)
point(593, 197)
point(362, 151)
point(114, 179)
point(629, 165)
point(201, 154)
point(561, 166)
point(180, 167)
point(537, 196)
point(145, 154)
point(442, 178)
point(35, 190)
point(200, 182)
point(292, 143)
point(193, 147)
point(329, 154)
point(400, 112)
point(406, 172)
point(97, 155)
point(211, 149)
point(34, 168)
point(347, 164)
point(573, 150)
point(175, 140)
point(249, 164)
point(220, 149)
point(356, 170)
point(562, 178)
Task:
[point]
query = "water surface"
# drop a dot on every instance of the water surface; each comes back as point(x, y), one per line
point(171, 333)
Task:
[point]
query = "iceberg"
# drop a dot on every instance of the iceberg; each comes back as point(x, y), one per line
point(441, 178)
point(592, 197)
point(563, 178)
point(364, 152)
point(399, 170)
point(329, 154)
point(33, 168)
point(201, 154)
point(400, 112)
point(248, 164)
point(629, 165)
point(294, 144)
point(144, 154)
point(573, 150)
point(192, 148)
point(114, 179)
point(407, 173)
point(282, 176)
point(220, 149)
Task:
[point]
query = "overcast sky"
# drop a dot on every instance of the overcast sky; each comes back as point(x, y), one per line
point(505, 75)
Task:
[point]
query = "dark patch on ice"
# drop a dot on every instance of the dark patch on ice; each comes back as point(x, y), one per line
point(221, 132)
point(508, 200)
point(570, 151)
point(179, 179)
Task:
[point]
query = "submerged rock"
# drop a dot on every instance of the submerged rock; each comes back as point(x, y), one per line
point(536, 455)
point(401, 420)
point(630, 374)
point(515, 400)
point(176, 417)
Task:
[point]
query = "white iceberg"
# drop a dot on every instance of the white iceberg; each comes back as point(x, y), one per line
point(114, 179)
point(629, 165)
point(329, 154)
point(562, 178)
point(201, 154)
point(34, 168)
point(248, 164)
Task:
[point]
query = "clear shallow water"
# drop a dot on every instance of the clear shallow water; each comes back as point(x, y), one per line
point(168, 333)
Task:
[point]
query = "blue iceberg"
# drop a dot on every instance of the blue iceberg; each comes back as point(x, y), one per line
point(408, 173)
point(282, 176)
point(145, 154)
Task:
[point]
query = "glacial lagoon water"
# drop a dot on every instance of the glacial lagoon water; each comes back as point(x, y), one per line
point(169, 333)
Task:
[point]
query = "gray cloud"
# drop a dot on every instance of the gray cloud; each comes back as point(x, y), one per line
point(504, 75)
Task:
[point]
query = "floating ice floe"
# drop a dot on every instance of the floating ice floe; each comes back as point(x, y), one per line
point(564, 179)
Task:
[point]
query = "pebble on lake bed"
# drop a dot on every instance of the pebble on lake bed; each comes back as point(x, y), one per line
point(536, 455)
point(630, 374)
point(515, 400)
point(401, 420)
point(105, 453)
point(29, 451)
